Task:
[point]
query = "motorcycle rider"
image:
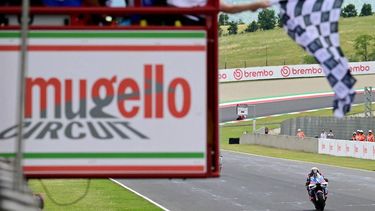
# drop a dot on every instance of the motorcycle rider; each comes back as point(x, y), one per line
point(314, 173)
point(220, 162)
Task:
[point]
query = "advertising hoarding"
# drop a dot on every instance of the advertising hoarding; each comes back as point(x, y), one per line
point(108, 103)
point(287, 72)
point(348, 148)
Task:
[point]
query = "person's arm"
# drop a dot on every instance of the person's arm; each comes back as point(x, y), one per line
point(236, 8)
point(307, 180)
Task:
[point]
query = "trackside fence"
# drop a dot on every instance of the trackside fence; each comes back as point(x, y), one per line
point(345, 148)
point(342, 128)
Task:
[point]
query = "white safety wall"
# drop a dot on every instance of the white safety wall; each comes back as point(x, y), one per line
point(356, 149)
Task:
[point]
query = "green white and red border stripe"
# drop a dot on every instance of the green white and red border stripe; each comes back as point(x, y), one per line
point(123, 163)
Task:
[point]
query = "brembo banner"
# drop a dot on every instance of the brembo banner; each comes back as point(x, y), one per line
point(287, 71)
point(357, 149)
point(107, 102)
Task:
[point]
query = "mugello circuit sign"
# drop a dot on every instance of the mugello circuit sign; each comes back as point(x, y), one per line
point(287, 71)
point(108, 103)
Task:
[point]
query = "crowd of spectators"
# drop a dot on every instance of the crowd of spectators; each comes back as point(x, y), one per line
point(329, 135)
point(82, 19)
point(360, 136)
point(141, 19)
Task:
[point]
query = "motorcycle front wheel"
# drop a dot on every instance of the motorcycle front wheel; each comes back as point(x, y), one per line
point(320, 203)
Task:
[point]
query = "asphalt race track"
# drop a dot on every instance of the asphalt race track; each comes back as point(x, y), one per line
point(287, 106)
point(260, 183)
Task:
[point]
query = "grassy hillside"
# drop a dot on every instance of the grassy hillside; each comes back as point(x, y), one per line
point(250, 49)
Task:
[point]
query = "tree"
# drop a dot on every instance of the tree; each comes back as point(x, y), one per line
point(252, 27)
point(362, 45)
point(366, 10)
point(349, 11)
point(223, 19)
point(232, 29)
point(240, 21)
point(267, 19)
point(372, 56)
point(279, 21)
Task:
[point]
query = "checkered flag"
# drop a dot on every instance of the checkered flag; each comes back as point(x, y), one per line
point(313, 24)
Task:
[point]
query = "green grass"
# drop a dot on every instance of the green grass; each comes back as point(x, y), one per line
point(235, 50)
point(103, 194)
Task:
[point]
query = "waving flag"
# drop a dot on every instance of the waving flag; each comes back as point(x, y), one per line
point(313, 24)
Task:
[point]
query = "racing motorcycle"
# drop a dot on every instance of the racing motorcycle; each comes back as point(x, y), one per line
point(220, 162)
point(318, 187)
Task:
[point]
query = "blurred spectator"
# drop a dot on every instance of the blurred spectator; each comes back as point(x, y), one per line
point(135, 19)
point(123, 20)
point(115, 3)
point(323, 134)
point(266, 130)
point(370, 136)
point(75, 19)
point(93, 19)
point(63, 3)
point(19, 2)
point(357, 135)
point(158, 19)
point(354, 136)
point(94, 3)
point(361, 136)
point(4, 21)
point(330, 135)
point(224, 7)
point(300, 133)
point(187, 19)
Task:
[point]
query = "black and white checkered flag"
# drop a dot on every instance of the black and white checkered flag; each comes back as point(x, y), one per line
point(313, 24)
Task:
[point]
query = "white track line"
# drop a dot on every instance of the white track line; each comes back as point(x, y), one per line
point(278, 98)
point(148, 199)
point(300, 161)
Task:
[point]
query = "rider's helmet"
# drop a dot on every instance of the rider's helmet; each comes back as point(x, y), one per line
point(314, 170)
